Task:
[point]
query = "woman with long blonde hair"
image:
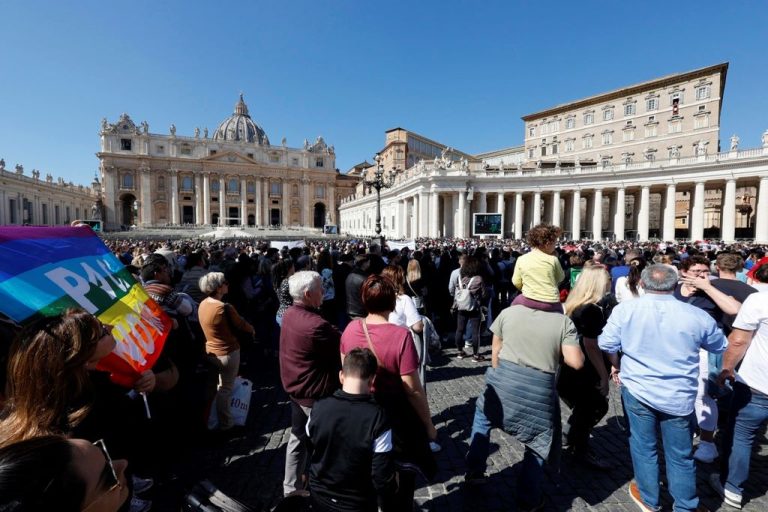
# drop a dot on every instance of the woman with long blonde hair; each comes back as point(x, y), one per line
point(585, 391)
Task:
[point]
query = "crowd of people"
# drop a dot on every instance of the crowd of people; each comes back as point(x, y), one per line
point(352, 325)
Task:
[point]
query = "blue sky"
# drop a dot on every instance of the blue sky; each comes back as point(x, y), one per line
point(459, 72)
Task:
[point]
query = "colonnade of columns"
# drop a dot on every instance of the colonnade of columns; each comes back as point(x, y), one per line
point(256, 203)
point(421, 214)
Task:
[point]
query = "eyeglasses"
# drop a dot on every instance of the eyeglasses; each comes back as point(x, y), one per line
point(109, 473)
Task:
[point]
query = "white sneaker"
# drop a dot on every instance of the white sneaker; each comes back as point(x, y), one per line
point(706, 452)
point(730, 498)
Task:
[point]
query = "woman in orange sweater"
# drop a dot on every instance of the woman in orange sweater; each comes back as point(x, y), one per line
point(221, 323)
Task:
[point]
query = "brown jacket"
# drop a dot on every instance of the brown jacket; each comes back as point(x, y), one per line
point(218, 320)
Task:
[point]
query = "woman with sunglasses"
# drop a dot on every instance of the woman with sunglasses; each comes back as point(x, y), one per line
point(48, 375)
point(66, 475)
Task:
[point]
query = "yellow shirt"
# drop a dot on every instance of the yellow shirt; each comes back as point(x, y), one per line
point(537, 275)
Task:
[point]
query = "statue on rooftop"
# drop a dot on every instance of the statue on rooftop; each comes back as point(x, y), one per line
point(173, 130)
point(734, 142)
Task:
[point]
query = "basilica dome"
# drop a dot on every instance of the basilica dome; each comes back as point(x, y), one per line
point(240, 127)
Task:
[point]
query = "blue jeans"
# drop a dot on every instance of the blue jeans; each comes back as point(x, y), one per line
point(531, 475)
point(749, 411)
point(676, 436)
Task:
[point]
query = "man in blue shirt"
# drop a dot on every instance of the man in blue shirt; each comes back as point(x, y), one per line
point(660, 338)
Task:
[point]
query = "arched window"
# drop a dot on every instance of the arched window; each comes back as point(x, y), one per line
point(128, 181)
point(232, 185)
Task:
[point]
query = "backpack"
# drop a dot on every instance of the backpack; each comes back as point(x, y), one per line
point(465, 301)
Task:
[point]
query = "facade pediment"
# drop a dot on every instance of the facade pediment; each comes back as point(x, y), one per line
point(229, 157)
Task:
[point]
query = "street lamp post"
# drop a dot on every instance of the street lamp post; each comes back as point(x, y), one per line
point(378, 182)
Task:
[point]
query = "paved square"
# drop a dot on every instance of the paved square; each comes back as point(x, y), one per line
point(250, 468)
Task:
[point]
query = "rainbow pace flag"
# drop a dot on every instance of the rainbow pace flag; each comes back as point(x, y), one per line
point(44, 271)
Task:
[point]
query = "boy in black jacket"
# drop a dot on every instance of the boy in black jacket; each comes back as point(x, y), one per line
point(351, 467)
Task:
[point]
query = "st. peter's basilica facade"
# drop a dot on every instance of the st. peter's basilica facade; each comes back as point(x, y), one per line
point(231, 177)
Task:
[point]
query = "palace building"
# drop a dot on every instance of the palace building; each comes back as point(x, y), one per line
point(233, 176)
point(641, 162)
point(29, 199)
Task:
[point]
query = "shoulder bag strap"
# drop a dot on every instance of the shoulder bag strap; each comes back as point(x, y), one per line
point(368, 338)
point(411, 287)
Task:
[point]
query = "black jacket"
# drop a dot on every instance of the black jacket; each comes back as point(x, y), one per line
point(346, 472)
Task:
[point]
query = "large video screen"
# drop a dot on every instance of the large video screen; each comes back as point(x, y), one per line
point(487, 224)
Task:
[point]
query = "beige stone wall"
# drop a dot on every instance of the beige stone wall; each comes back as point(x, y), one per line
point(551, 127)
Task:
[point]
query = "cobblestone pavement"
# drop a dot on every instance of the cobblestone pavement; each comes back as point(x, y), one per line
point(250, 468)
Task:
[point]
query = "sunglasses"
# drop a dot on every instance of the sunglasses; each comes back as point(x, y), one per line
point(109, 473)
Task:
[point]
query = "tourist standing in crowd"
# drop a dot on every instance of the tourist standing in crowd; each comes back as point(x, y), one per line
point(365, 265)
point(538, 273)
point(748, 346)
point(660, 339)
point(623, 269)
point(397, 386)
point(585, 390)
point(48, 375)
point(221, 324)
point(352, 467)
point(629, 287)
point(470, 295)
point(415, 287)
point(406, 315)
point(195, 269)
point(281, 271)
point(325, 269)
point(309, 367)
point(520, 395)
point(697, 289)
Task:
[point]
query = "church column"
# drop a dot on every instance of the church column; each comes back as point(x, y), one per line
point(697, 212)
point(174, 197)
point(331, 190)
point(556, 208)
point(415, 218)
point(285, 219)
point(576, 216)
point(307, 204)
point(146, 198)
point(644, 213)
point(258, 201)
point(243, 203)
point(206, 198)
point(109, 198)
point(619, 215)
point(597, 214)
point(448, 211)
point(222, 201)
point(423, 213)
point(199, 198)
point(500, 209)
point(434, 213)
point(537, 208)
point(728, 215)
point(461, 220)
point(482, 205)
point(519, 215)
point(761, 215)
point(669, 213)
point(267, 204)
point(400, 219)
